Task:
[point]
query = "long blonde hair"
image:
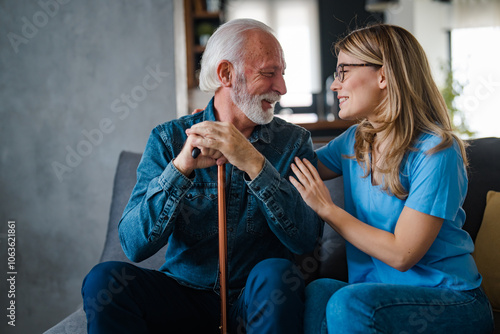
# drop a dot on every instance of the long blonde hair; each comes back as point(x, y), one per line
point(413, 104)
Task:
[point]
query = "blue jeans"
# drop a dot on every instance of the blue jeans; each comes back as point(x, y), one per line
point(122, 298)
point(337, 307)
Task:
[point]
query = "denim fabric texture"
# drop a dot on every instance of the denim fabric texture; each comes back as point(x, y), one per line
point(337, 307)
point(266, 217)
point(120, 297)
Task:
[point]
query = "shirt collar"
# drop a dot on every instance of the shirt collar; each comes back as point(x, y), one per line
point(260, 132)
point(209, 114)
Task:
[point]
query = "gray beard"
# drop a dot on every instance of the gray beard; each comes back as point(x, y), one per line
point(250, 105)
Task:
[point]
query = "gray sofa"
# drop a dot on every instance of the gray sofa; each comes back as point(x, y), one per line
point(328, 260)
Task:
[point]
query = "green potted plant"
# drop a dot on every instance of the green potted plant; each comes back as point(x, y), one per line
point(450, 92)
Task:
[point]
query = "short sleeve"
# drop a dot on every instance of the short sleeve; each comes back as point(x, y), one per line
point(438, 181)
point(332, 153)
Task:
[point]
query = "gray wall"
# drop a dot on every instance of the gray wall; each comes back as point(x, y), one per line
point(76, 88)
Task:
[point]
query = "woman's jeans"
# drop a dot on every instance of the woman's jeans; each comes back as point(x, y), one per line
point(122, 298)
point(338, 307)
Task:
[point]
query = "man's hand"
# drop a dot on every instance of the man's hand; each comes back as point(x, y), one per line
point(222, 142)
point(186, 163)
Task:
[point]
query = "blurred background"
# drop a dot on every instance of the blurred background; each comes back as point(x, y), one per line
point(81, 81)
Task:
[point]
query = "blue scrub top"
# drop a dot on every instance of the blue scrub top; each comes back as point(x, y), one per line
point(437, 185)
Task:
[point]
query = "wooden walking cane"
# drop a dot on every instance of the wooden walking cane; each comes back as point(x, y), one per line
point(221, 193)
point(221, 179)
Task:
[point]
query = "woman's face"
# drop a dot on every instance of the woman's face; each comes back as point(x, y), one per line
point(361, 91)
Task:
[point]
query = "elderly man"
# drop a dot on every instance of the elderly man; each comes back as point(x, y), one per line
point(175, 202)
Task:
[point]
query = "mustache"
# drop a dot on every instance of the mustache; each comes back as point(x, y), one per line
point(272, 97)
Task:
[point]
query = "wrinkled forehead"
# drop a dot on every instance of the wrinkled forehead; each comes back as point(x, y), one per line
point(264, 49)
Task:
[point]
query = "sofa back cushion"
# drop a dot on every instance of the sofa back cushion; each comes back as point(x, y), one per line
point(124, 182)
point(484, 175)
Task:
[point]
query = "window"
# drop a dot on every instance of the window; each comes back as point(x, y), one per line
point(295, 23)
point(474, 55)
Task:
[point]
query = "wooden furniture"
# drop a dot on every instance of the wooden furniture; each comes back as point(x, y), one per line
point(324, 131)
point(200, 23)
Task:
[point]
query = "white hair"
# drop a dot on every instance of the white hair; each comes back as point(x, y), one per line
point(226, 43)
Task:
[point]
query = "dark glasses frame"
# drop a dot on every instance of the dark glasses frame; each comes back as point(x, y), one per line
point(339, 73)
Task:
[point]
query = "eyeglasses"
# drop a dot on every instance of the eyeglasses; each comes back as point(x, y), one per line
point(339, 73)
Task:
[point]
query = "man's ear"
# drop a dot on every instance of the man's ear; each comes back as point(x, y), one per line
point(382, 79)
point(225, 71)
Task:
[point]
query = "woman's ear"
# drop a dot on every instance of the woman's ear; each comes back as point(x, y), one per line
point(224, 72)
point(382, 80)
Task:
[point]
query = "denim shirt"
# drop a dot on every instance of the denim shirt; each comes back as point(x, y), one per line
point(266, 217)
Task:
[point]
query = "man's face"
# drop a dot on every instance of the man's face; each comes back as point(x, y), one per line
point(260, 84)
point(251, 105)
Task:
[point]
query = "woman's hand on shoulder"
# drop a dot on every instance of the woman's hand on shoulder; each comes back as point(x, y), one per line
point(310, 186)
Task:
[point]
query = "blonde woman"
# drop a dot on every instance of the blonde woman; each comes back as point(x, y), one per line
point(404, 171)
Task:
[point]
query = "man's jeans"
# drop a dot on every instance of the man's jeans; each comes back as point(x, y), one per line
point(122, 298)
point(387, 308)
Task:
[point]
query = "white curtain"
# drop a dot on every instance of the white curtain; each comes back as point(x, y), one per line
point(475, 13)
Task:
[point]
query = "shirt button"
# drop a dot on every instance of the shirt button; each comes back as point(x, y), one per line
point(212, 196)
point(230, 229)
point(189, 196)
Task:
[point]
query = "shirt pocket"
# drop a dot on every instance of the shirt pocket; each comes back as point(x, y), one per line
point(198, 213)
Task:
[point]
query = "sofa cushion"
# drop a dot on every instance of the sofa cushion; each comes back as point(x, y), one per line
point(332, 252)
point(483, 173)
point(124, 182)
point(486, 252)
point(75, 323)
